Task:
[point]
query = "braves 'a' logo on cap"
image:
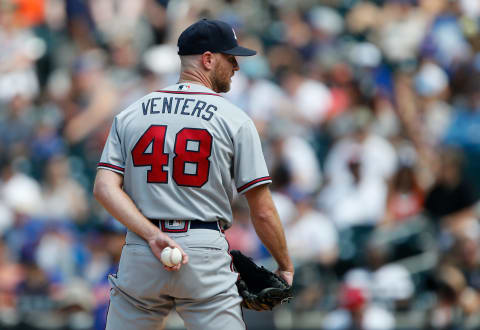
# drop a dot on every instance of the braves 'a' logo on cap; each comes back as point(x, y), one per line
point(234, 34)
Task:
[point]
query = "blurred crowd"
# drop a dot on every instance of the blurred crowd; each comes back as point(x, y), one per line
point(369, 115)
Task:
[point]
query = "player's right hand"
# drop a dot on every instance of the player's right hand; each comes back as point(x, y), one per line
point(161, 241)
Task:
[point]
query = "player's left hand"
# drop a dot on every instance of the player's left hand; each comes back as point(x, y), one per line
point(161, 241)
point(260, 288)
point(286, 275)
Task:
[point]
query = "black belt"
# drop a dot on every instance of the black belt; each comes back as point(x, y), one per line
point(194, 224)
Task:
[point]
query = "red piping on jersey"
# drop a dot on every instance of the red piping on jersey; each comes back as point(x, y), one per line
point(245, 186)
point(181, 92)
point(118, 168)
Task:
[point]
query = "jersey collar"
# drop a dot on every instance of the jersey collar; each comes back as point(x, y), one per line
point(188, 88)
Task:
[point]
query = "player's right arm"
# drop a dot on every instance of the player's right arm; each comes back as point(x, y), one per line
point(108, 192)
point(269, 229)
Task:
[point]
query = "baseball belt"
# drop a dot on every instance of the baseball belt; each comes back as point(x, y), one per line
point(181, 226)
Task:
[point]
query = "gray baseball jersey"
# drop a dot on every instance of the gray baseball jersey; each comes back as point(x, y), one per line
point(182, 151)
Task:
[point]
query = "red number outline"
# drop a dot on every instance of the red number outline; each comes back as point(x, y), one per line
point(156, 173)
point(200, 155)
point(155, 135)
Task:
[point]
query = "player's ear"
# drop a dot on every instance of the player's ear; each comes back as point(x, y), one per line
point(208, 60)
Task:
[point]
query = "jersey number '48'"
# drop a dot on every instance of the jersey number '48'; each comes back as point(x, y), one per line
point(193, 147)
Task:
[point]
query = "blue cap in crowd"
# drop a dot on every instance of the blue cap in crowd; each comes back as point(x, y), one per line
point(210, 35)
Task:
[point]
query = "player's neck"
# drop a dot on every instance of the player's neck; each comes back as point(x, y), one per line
point(195, 77)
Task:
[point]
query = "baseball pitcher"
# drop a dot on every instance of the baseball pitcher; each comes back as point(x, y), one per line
point(168, 172)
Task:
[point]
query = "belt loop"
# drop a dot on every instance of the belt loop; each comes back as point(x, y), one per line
point(185, 228)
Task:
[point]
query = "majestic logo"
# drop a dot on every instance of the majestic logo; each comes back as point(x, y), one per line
point(234, 34)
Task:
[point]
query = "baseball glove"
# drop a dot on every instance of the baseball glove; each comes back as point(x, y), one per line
point(260, 288)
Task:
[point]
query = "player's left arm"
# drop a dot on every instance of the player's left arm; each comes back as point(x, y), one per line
point(269, 229)
point(109, 193)
point(251, 178)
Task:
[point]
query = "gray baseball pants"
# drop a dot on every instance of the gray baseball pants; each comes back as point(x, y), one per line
point(203, 292)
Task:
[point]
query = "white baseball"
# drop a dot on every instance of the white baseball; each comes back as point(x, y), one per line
point(165, 256)
point(175, 256)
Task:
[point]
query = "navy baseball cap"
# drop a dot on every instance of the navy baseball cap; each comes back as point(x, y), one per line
point(210, 35)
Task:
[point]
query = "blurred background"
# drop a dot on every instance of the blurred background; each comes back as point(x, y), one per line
point(369, 114)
